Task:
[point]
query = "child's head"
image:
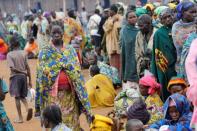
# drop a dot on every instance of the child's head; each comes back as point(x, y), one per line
point(138, 111)
point(94, 70)
point(14, 42)
point(134, 125)
point(148, 85)
point(177, 85)
point(31, 40)
point(176, 106)
point(51, 116)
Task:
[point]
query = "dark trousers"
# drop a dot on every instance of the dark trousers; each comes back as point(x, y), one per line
point(96, 40)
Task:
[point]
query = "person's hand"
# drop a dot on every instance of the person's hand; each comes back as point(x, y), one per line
point(145, 126)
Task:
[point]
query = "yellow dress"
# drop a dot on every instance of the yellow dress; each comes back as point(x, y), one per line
point(101, 91)
point(154, 106)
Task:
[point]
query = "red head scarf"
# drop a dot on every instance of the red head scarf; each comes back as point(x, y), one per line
point(150, 82)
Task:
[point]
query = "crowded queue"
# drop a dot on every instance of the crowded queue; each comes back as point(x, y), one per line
point(141, 61)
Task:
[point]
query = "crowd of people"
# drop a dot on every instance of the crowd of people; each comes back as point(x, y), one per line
point(141, 60)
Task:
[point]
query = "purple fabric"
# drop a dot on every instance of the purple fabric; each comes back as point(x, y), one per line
point(182, 7)
point(47, 14)
point(2, 57)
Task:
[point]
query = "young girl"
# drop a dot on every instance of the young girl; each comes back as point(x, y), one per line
point(177, 85)
point(177, 114)
point(5, 124)
point(31, 48)
point(52, 118)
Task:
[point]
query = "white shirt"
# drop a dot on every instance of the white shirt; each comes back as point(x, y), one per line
point(84, 17)
point(93, 24)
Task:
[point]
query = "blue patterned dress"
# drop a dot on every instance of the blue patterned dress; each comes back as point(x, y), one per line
point(7, 126)
point(72, 103)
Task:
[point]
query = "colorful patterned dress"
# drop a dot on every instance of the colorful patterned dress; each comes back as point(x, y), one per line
point(180, 33)
point(154, 107)
point(71, 29)
point(186, 46)
point(7, 126)
point(72, 102)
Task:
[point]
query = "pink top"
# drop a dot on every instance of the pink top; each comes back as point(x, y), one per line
point(191, 70)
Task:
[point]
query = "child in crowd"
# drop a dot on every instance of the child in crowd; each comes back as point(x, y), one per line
point(31, 48)
point(177, 85)
point(19, 72)
point(177, 115)
point(150, 90)
point(134, 125)
point(5, 124)
point(52, 118)
point(98, 56)
point(139, 111)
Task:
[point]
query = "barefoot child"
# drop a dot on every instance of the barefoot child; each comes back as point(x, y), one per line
point(5, 124)
point(19, 68)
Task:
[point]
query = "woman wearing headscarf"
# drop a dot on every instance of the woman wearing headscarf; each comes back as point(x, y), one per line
point(183, 27)
point(156, 19)
point(164, 53)
point(127, 41)
point(60, 82)
point(150, 90)
point(177, 115)
point(191, 70)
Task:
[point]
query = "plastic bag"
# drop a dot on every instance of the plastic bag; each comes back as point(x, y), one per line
point(31, 94)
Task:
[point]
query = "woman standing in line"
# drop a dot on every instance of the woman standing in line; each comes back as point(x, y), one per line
point(127, 41)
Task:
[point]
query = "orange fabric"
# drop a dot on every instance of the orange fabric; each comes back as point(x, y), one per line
point(3, 47)
point(175, 81)
point(31, 47)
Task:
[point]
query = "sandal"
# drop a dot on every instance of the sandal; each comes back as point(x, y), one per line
point(29, 114)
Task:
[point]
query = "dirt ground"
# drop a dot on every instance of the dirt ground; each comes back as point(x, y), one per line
point(34, 124)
